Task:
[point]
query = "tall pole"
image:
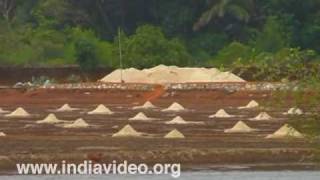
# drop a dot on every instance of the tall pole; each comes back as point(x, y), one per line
point(120, 54)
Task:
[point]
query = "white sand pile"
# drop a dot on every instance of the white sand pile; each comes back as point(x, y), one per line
point(294, 111)
point(65, 107)
point(50, 119)
point(140, 117)
point(2, 134)
point(221, 114)
point(170, 74)
point(3, 111)
point(180, 120)
point(101, 109)
point(286, 131)
point(79, 123)
point(174, 107)
point(127, 131)
point(240, 127)
point(263, 116)
point(252, 104)
point(19, 112)
point(146, 105)
point(174, 134)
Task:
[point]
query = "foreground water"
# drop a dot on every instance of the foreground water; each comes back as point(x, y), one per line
point(229, 175)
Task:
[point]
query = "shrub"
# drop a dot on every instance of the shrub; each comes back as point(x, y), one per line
point(86, 54)
point(235, 51)
point(149, 47)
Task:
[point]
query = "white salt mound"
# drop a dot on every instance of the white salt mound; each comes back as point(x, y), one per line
point(240, 127)
point(174, 134)
point(127, 131)
point(294, 111)
point(286, 131)
point(180, 120)
point(170, 74)
point(19, 112)
point(146, 105)
point(50, 119)
point(65, 107)
point(263, 116)
point(177, 120)
point(252, 104)
point(221, 114)
point(174, 107)
point(79, 123)
point(101, 109)
point(140, 117)
point(3, 111)
point(2, 134)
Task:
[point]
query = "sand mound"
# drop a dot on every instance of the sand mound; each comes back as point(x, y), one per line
point(252, 104)
point(66, 107)
point(146, 105)
point(2, 134)
point(3, 111)
point(263, 116)
point(294, 111)
point(170, 74)
point(127, 131)
point(221, 114)
point(240, 127)
point(19, 112)
point(140, 117)
point(286, 131)
point(174, 134)
point(79, 123)
point(101, 109)
point(174, 107)
point(50, 119)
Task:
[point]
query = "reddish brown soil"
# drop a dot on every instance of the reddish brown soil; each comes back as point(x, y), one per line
point(205, 145)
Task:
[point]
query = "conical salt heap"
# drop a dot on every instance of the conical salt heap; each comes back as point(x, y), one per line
point(101, 109)
point(180, 120)
point(79, 123)
point(140, 116)
point(146, 105)
point(127, 131)
point(174, 107)
point(50, 119)
point(252, 104)
point(174, 134)
point(2, 134)
point(263, 116)
point(240, 127)
point(65, 107)
point(177, 120)
point(221, 114)
point(294, 111)
point(19, 112)
point(3, 111)
point(286, 131)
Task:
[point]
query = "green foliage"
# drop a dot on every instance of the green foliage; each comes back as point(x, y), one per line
point(273, 37)
point(286, 64)
point(235, 51)
point(206, 45)
point(149, 47)
point(85, 54)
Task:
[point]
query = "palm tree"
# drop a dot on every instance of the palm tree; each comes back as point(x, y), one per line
point(239, 9)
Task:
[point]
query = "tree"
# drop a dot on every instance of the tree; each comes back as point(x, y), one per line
point(7, 8)
point(240, 9)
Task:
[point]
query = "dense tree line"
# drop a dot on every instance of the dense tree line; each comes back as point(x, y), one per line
point(181, 32)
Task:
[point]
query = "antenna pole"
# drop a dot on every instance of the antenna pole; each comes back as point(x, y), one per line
point(120, 54)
